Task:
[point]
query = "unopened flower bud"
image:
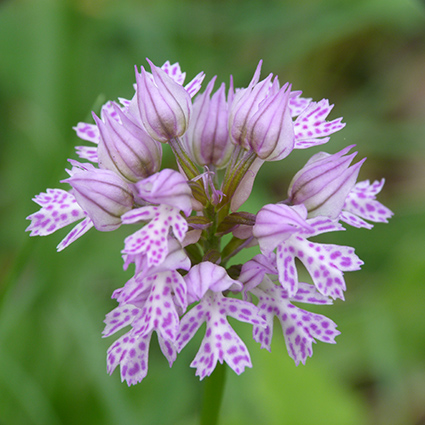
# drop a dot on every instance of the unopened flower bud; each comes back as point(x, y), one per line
point(208, 135)
point(103, 195)
point(260, 119)
point(162, 105)
point(323, 184)
point(270, 131)
point(126, 148)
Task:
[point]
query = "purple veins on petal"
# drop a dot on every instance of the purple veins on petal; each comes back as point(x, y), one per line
point(102, 194)
point(160, 105)
point(174, 72)
point(322, 225)
point(254, 270)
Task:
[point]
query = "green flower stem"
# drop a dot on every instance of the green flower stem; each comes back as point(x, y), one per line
point(189, 168)
point(213, 395)
point(186, 163)
point(235, 246)
point(231, 183)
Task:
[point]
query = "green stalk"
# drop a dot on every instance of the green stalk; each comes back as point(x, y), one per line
point(185, 162)
point(232, 182)
point(189, 168)
point(213, 395)
point(235, 246)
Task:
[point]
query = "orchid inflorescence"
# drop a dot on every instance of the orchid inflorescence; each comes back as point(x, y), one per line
point(190, 223)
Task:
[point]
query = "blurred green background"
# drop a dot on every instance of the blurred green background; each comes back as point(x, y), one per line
point(59, 59)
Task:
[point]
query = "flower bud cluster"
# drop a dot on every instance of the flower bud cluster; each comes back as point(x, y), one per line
point(190, 227)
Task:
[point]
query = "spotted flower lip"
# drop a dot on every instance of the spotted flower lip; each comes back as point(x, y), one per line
point(184, 226)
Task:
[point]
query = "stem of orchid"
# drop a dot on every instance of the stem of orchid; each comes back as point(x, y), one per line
point(185, 162)
point(238, 173)
point(233, 180)
point(235, 246)
point(213, 395)
point(189, 168)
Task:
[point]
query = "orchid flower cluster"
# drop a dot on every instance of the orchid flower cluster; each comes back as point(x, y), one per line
point(191, 225)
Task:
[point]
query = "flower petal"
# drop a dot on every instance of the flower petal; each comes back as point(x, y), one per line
point(59, 208)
